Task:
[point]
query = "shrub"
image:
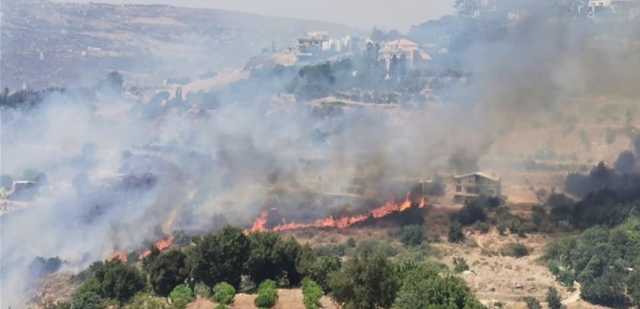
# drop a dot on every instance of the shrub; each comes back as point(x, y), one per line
point(202, 290)
point(147, 301)
point(460, 265)
point(532, 303)
point(224, 293)
point(378, 246)
point(482, 227)
point(351, 242)
point(43, 266)
point(515, 250)
point(470, 214)
point(181, 296)
point(267, 294)
point(222, 306)
point(312, 292)
point(553, 299)
point(424, 288)
point(455, 232)
point(411, 235)
point(333, 249)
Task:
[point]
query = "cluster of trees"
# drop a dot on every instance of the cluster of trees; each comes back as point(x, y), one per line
point(605, 261)
point(25, 99)
point(481, 213)
point(219, 264)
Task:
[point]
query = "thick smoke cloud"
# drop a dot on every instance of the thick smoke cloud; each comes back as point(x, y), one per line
point(122, 173)
point(118, 178)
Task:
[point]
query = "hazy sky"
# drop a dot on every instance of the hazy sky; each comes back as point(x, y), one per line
point(365, 14)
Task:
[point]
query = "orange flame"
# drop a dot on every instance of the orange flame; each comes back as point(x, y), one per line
point(121, 256)
point(161, 245)
point(388, 208)
point(261, 222)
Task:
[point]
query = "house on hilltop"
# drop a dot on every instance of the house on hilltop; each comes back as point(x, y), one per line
point(472, 185)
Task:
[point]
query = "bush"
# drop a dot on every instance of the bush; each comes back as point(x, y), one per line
point(425, 288)
point(532, 303)
point(378, 246)
point(43, 266)
point(202, 290)
point(460, 265)
point(267, 294)
point(147, 301)
point(411, 235)
point(553, 299)
point(222, 306)
point(482, 227)
point(181, 296)
point(312, 292)
point(333, 249)
point(224, 293)
point(515, 250)
point(455, 232)
point(470, 214)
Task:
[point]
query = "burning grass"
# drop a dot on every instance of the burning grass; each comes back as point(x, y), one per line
point(388, 209)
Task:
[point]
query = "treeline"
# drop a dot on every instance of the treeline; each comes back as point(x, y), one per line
point(605, 256)
point(26, 99)
point(219, 264)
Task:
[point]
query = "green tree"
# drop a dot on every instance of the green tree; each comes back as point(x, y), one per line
point(267, 294)
point(272, 257)
point(166, 271)
point(109, 280)
point(367, 281)
point(311, 292)
point(88, 295)
point(219, 257)
point(224, 293)
point(181, 296)
point(423, 287)
point(317, 267)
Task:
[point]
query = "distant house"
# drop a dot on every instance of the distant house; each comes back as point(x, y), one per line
point(596, 7)
point(22, 190)
point(476, 184)
point(313, 42)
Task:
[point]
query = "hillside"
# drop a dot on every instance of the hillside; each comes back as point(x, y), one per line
point(84, 41)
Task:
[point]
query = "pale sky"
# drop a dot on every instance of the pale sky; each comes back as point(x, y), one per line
point(364, 14)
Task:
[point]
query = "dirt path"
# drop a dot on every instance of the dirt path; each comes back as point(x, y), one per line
point(289, 299)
